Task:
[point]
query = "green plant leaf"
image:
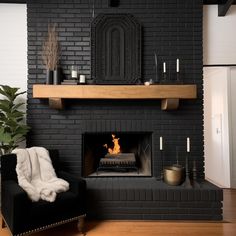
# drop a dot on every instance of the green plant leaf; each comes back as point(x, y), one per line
point(5, 105)
point(23, 129)
point(16, 106)
point(17, 137)
point(2, 116)
point(5, 137)
point(15, 114)
point(11, 123)
point(12, 128)
point(4, 101)
point(17, 94)
point(2, 91)
point(8, 92)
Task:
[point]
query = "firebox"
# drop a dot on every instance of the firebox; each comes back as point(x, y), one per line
point(117, 154)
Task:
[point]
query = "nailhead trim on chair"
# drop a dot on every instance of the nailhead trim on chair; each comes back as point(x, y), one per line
point(49, 226)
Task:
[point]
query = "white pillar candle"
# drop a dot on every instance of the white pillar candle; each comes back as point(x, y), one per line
point(82, 79)
point(188, 144)
point(164, 67)
point(177, 65)
point(161, 143)
point(74, 74)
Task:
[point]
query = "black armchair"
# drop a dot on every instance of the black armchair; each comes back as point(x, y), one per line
point(22, 216)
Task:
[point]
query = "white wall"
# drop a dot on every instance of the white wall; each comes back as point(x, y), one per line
point(13, 45)
point(216, 125)
point(219, 48)
point(219, 36)
point(13, 48)
point(232, 130)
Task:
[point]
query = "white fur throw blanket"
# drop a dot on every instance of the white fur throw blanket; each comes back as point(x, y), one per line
point(36, 174)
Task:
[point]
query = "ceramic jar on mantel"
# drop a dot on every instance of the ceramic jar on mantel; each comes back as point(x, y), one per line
point(53, 76)
point(56, 76)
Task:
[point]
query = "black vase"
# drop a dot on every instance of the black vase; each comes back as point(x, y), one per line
point(49, 76)
point(56, 77)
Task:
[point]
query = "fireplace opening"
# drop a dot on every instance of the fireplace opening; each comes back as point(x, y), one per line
point(117, 154)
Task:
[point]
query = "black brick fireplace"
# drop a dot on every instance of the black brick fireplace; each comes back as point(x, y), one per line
point(171, 29)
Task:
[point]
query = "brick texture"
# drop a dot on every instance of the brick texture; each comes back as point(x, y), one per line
point(148, 199)
point(171, 28)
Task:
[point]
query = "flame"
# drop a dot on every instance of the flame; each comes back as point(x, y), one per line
point(116, 148)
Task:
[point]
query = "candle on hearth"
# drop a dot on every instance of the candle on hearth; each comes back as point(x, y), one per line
point(82, 79)
point(161, 143)
point(177, 65)
point(164, 67)
point(188, 144)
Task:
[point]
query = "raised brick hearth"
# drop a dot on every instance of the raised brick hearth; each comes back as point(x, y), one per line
point(171, 29)
point(149, 199)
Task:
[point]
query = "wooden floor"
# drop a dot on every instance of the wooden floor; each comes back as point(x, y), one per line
point(154, 228)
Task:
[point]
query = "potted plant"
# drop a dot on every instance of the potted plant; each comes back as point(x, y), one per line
point(51, 55)
point(12, 128)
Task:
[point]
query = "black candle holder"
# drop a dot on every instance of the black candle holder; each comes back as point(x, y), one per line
point(195, 183)
point(164, 78)
point(178, 78)
point(162, 166)
point(187, 182)
point(161, 177)
point(157, 75)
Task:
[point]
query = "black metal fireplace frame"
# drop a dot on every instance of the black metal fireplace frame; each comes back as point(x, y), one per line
point(118, 133)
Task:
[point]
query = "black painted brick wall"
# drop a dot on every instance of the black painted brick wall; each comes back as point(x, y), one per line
point(171, 28)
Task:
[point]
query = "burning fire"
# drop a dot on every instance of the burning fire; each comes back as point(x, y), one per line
point(116, 148)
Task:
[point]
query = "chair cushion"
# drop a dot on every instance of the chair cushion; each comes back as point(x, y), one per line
point(43, 213)
point(8, 167)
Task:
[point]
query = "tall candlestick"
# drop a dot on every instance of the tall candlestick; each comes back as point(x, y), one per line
point(177, 156)
point(188, 144)
point(161, 143)
point(164, 67)
point(177, 65)
point(155, 56)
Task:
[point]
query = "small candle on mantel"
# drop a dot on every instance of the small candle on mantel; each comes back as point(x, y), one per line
point(188, 144)
point(82, 79)
point(161, 143)
point(74, 72)
point(164, 67)
point(177, 65)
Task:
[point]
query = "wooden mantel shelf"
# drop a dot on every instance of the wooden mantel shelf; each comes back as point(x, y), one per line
point(169, 94)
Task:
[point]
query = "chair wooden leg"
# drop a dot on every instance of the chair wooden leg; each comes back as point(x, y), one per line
point(80, 225)
point(3, 224)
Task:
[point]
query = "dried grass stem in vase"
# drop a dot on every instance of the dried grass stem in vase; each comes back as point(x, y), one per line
point(50, 53)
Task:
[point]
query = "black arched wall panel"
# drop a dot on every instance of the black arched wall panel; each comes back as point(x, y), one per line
point(116, 49)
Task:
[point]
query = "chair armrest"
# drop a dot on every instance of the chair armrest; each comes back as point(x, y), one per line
point(14, 203)
point(77, 185)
